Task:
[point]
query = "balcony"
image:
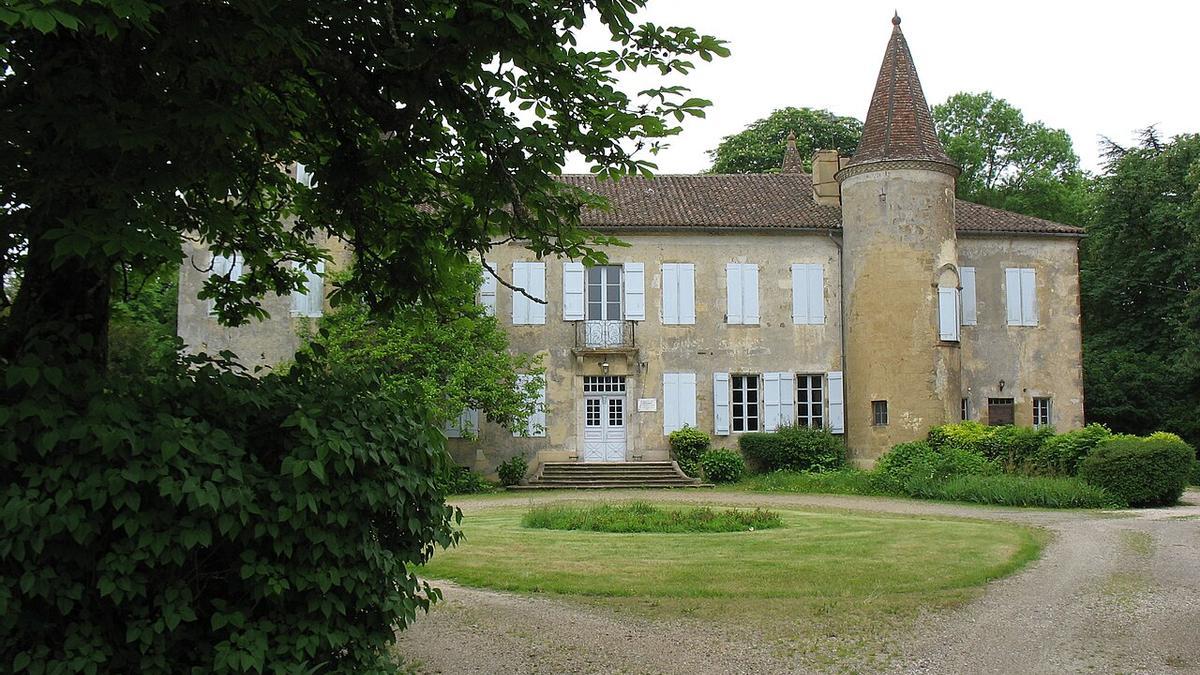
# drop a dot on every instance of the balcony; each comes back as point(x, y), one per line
point(605, 337)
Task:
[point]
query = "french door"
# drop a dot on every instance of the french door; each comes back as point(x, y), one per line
point(604, 419)
point(603, 327)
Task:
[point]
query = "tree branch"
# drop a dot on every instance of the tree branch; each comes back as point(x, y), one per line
point(515, 289)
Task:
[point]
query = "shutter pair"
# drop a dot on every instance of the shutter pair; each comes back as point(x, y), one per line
point(777, 381)
point(679, 401)
point(741, 293)
point(634, 306)
point(808, 294)
point(1021, 291)
point(530, 276)
point(310, 301)
point(678, 294)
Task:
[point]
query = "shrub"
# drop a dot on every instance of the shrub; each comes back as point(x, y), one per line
point(1141, 471)
point(199, 519)
point(513, 470)
point(964, 435)
point(688, 445)
point(1009, 446)
point(919, 460)
point(1060, 455)
point(643, 517)
point(1053, 493)
point(722, 466)
point(793, 448)
point(463, 481)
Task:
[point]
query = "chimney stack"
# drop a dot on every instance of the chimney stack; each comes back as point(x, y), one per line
point(825, 165)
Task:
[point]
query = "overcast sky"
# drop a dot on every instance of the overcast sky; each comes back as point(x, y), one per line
point(1095, 69)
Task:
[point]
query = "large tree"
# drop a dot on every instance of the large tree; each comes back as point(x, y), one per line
point(759, 147)
point(1010, 163)
point(193, 518)
point(1141, 289)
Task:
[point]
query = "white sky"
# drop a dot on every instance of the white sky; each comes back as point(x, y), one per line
point(1095, 69)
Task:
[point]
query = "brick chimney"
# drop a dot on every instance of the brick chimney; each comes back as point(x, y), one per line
point(825, 165)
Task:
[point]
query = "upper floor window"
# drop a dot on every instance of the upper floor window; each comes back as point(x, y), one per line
point(948, 320)
point(741, 293)
point(604, 293)
point(808, 294)
point(968, 296)
point(1020, 285)
point(678, 293)
point(530, 277)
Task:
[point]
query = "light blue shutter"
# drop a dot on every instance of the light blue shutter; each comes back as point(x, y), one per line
point(733, 293)
point(787, 399)
point(816, 294)
point(750, 293)
point(537, 288)
point(670, 403)
point(1012, 292)
point(948, 314)
point(686, 389)
point(1029, 312)
point(836, 398)
point(520, 303)
point(968, 296)
point(770, 401)
point(536, 427)
point(670, 293)
point(799, 294)
point(315, 291)
point(487, 293)
point(686, 275)
point(572, 291)
point(721, 404)
point(635, 291)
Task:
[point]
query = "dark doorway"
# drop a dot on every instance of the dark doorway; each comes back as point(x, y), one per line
point(1000, 411)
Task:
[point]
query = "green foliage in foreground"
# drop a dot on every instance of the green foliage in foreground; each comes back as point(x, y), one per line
point(463, 481)
point(199, 519)
point(513, 470)
point(1149, 471)
point(1001, 490)
point(722, 466)
point(919, 460)
point(793, 448)
point(688, 445)
point(644, 517)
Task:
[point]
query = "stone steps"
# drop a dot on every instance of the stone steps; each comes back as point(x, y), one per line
point(608, 475)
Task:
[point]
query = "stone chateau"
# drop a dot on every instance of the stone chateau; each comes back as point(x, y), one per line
point(862, 297)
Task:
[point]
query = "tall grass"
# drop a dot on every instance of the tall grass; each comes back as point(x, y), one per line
point(644, 517)
point(840, 482)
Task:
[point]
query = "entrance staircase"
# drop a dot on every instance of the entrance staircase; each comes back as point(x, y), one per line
point(600, 475)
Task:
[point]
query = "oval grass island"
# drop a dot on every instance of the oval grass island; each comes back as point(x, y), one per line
point(826, 584)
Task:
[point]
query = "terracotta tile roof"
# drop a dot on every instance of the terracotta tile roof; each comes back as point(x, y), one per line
point(755, 201)
point(898, 125)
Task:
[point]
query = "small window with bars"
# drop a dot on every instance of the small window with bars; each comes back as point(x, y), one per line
point(1041, 412)
point(745, 400)
point(965, 411)
point(879, 413)
point(810, 401)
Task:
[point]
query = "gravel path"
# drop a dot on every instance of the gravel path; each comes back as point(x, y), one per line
point(1113, 593)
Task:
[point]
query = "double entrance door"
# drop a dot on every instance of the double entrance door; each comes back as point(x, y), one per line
point(604, 418)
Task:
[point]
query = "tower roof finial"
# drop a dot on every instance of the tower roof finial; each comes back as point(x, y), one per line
point(896, 18)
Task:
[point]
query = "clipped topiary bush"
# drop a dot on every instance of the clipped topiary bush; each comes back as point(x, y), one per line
point(919, 460)
point(1141, 471)
point(794, 448)
point(688, 445)
point(722, 466)
point(513, 470)
point(1061, 454)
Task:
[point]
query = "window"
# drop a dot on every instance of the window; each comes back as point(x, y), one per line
point(604, 384)
point(1041, 412)
point(968, 296)
point(223, 266)
point(464, 426)
point(1000, 411)
point(810, 404)
point(808, 294)
point(1021, 292)
point(604, 293)
point(745, 402)
point(965, 412)
point(311, 300)
point(948, 314)
point(741, 293)
point(879, 411)
point(678, 293)
point(679, 401)
point(531, 277)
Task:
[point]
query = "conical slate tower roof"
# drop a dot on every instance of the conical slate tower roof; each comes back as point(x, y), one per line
point(899, 125)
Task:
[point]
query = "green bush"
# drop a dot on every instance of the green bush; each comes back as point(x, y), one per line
point(463, 481)
point(964, 435)
point(688, 445)
point(1141, 471)
point(643, 517)
point(513, 470)
point(199, 519)
point(1009, 446)
point(919, 460)
point(793, 448)
point(1060, 455)
point(722, 466)
point(1007, 490)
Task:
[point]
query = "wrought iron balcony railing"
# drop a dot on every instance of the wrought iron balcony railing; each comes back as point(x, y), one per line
point(605, 336)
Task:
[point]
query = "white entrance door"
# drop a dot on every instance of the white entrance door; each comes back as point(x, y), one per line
point(604, 419)
point(603, 327)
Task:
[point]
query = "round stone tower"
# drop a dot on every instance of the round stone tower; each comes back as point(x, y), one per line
point(900, 268)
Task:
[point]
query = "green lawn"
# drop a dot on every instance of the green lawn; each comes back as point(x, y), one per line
point(850, 577)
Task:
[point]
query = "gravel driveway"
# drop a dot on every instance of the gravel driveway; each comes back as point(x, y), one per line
point(1113, 593)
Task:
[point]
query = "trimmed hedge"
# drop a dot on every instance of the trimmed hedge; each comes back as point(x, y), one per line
point(722, 466)
point(688, 445)
point(1149, 471)
point(794, 448)
point(1060, 455)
